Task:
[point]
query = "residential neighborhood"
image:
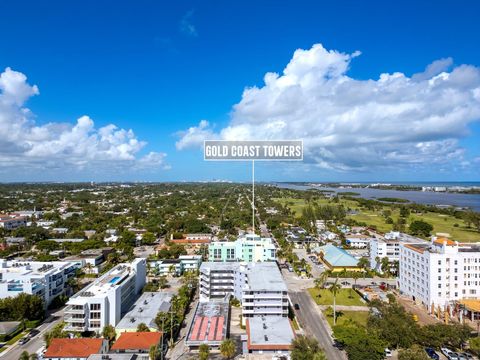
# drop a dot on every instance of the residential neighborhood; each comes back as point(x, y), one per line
point(184, 287)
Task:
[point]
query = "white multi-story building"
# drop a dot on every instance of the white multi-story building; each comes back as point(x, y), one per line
point(105, 300)
point(259, 286)
point(439, 273)
point(248, 248)
point(45, 279)
point(11, 222)
point(388, 246)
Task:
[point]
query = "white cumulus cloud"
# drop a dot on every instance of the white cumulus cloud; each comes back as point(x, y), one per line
point(26, 145)
point(350, 124)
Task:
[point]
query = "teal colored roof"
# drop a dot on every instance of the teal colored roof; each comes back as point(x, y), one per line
point(336, 256)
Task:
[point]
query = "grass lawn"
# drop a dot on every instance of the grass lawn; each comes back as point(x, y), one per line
point(343, 297)
point(295, 324)
point(358, 317)
point(441, 223)
point(16, 338)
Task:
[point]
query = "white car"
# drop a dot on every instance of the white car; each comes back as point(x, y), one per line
point(388, 352)
point(446, 351)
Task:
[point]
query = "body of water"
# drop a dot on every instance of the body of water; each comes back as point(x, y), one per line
point(471, 201)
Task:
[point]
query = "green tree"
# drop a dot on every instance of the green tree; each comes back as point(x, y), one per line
point(385, 265)
point(363, 263)
point(475, 345)
point(359, 344)
point(148, 238)
point(393, 324)
point(228, 348)
point(334, 289)
point(306, 348)
point(109, 333)
point(142, 327)
point(24, 356)
point(55, 333)
point(416, 352)
point(420, 228)
point(321, 280)
point(153, 352)
point(203, 352)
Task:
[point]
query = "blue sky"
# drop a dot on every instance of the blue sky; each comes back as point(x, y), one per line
point(159, 68)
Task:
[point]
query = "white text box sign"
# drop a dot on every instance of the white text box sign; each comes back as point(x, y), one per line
point(263, 150)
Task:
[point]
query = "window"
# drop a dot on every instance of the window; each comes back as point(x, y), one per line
point(95, 306)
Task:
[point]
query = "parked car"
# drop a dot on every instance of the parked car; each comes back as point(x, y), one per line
point(454, 356)
point(24, 340)
point(388, 352)
point(432, 354)
point(338, 344)
point(446, 351)
point(468, 356)
point(296, 306)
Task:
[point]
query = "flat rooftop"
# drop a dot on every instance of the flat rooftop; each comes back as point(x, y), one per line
point(220, 266)
point(145, 309)
point(102, 285)
point(269, 332)
point(209, 324)
point(265, 276)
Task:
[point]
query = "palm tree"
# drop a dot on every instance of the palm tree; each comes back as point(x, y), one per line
point(228, 348)
point(153, 352)
point(355, 276)
point(203, 352)
point(109, 333)
point(320, 282)
point(334, 289)
point(24, 356)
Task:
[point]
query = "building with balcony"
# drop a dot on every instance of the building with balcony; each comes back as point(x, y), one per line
point(248, 248)
point(440, 273)
point(388, 246)
point(177, 266)
point(45, 279)
point(107, 299)
point(259, 286)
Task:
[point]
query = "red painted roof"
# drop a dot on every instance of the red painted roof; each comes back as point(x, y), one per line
point(137, 340)
point(73, 348)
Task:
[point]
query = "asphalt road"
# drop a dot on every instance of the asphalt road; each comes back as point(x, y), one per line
point(13, 353)
point(314, 325)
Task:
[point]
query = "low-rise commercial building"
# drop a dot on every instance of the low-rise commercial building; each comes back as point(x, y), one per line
point(105, 300)
point(209, 324)
point(45, 279)
point(144, 311)
point(440, 273)
point(336, 259)
point(269, 335)
point(248, 248)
